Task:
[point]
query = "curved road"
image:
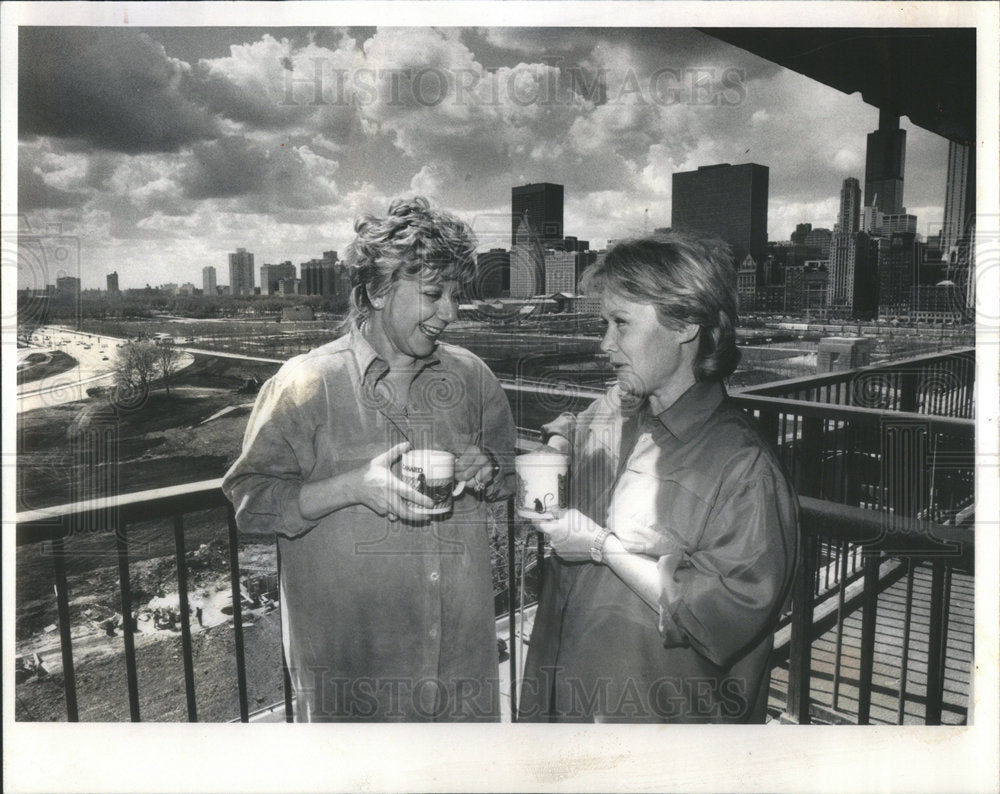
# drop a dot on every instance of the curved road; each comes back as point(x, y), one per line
point(91, 370)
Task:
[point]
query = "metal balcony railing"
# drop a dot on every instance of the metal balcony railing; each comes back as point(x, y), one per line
point(883, 493)
point(835, 538)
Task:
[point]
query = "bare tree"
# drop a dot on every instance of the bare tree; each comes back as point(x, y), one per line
point(135, 366)
point(167, 359)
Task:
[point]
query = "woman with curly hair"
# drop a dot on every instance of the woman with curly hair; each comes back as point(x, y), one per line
point(386, 614)
point(675, 560)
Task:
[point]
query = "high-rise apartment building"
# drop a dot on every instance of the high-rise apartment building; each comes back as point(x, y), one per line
point(725, 201)
point(113, 283)
point(271, 275)
point(542, 204)
point(319, 276)
point(208, 280)
point(241, 272)
point(885, 161)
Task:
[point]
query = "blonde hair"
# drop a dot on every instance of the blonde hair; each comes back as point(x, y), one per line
point(411, 241)
point(688, 281)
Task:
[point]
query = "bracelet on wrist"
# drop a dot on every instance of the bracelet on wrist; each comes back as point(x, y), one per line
point(597, 545)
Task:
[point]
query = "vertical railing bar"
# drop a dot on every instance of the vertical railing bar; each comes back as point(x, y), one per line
point(800, 644)
point(182, 593)
point(511, 601)
point(128, 626)
point(907, 623)
point(935, 643)
point(945, 622)
point(65, 634)
point(841, 596)
point(234, 580)
point(286, 677)
point(868, 619)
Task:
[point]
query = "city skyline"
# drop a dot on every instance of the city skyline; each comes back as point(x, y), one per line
point(226, 146)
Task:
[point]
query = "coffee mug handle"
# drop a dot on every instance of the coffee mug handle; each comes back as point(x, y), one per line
point(458, 488)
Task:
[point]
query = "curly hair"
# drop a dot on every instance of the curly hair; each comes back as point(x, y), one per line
point(411, 241)
point(688, 281)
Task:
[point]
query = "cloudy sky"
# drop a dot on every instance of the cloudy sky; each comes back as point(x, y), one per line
point(163, 149)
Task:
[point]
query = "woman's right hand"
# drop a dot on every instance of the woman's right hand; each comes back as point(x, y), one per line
point(382, 491)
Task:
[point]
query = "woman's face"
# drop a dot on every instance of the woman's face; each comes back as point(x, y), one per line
point(413, 315)
point(649, 358)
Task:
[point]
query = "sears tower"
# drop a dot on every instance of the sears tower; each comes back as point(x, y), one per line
point(884, 164)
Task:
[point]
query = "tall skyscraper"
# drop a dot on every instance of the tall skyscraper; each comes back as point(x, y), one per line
point(884, 165)
point(725, 201)
point(842, 247)
point(241, 272)
point(542, 204)
point(527, 263)
point(208, 280)
point(959, 196)
point(113, 283)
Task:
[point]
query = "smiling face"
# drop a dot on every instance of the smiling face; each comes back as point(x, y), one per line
point(410, 317)
point(649, 358)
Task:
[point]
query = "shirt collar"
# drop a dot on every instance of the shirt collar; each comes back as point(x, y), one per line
point(366, 356)
point(692, 409)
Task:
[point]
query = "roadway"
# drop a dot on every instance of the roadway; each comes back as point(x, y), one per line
point(95, 357)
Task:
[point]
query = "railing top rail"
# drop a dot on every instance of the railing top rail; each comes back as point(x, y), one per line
point(48, 523)
point(808, 381)
point(887, 532)
point(820, 517)
point(831, 411)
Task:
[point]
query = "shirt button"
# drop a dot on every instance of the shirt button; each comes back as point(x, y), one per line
point(433, 632)
point(435, 576)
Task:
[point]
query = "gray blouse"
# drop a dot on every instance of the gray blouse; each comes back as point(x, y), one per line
point(384, 621)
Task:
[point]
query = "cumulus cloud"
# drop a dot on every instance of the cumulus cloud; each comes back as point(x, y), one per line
point(280, 142)
point(111, 88)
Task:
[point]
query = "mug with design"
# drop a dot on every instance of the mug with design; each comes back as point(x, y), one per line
point(432, 472)
point(542, 484)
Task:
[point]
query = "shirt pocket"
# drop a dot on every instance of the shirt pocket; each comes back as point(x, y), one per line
point(659, 510)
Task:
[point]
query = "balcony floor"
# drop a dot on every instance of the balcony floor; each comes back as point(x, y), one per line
point(888, 655)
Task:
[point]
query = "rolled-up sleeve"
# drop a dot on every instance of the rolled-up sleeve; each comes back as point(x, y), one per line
point(722, 595)
point(278, 455)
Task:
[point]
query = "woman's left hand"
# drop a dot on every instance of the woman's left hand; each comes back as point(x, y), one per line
point(571, 535)
point(474, 467)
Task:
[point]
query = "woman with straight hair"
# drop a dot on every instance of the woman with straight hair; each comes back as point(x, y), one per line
point(387, 614)
point(675, 560)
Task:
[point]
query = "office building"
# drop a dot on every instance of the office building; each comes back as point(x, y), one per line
point(270, 275)
point(560, 272)
point(527, 263)
point(68, 285)
point(746, 285)
point(959, 196)
point(241, 272)
point(842, 247)
point(492, 275)
point(542, 205)
point(725, 201)
point(885, 160)
point(208, 284)
point(898, 273)
point(113, 283)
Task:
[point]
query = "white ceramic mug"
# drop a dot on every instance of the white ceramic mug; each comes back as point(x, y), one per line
point(432, 472)
point(542, 484)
